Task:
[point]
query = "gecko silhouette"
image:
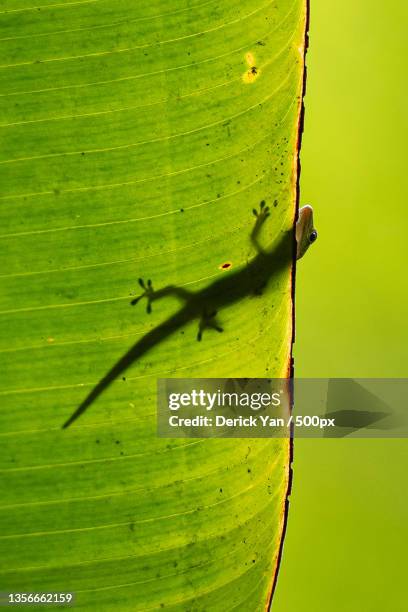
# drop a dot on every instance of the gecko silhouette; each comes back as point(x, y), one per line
point(202, 305)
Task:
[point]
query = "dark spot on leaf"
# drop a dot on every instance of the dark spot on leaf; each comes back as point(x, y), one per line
point(226, 265)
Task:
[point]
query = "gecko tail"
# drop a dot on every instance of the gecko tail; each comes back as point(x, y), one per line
point(142, 346)
point(103, 384)
point(82, 407)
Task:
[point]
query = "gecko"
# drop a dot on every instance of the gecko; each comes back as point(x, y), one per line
point(204, 305)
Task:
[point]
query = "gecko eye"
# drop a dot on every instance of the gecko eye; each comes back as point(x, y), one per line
point(313, 236)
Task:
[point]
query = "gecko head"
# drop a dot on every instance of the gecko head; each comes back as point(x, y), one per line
point(305, 231)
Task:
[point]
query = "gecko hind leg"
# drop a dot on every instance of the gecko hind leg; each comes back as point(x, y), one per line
point(151, 295)
point(148, 293)
point(208, 320)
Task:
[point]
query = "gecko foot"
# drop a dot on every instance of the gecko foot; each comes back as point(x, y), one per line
point(263, 213)
point(147, 293)
point(208, 321)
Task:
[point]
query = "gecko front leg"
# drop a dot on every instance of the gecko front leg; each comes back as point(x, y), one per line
point(261, 215)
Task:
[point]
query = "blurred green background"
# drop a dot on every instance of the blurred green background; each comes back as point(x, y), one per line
point(347, 529)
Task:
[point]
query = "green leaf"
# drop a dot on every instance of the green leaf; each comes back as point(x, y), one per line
point(136, 138)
